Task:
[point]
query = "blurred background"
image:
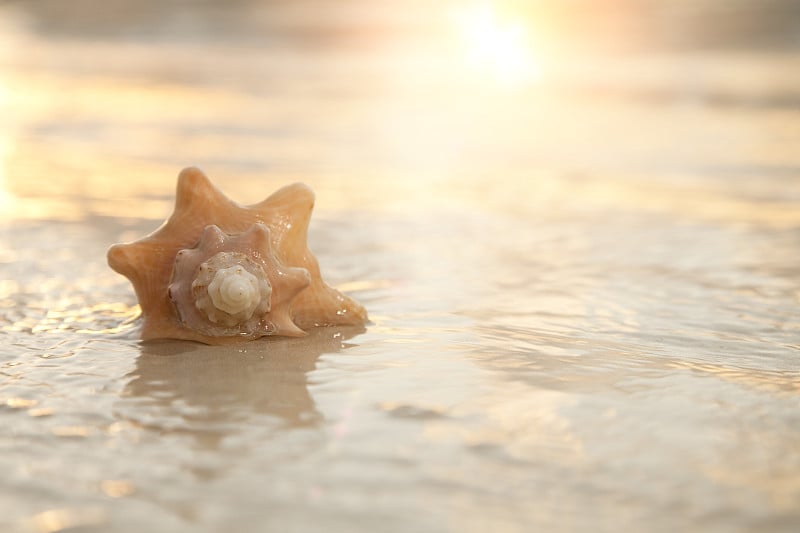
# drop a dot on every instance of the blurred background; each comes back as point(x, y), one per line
point(377, 100)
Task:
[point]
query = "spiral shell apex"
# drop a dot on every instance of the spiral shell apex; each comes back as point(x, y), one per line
point(233, 294)
point(218, 272)
point(233, 285)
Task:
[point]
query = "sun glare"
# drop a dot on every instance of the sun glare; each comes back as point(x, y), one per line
point(496, 46)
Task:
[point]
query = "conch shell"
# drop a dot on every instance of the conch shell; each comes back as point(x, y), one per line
point(218, 272)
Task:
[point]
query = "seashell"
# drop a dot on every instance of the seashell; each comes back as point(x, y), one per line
point(233, 285)
point(218, 272)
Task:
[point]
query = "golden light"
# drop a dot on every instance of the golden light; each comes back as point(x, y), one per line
point(6, 199)
point(496, 45)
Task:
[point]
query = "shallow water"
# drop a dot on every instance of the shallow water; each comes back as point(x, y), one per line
point(584, 293)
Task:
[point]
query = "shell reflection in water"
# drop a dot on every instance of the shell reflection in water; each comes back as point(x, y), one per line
point(218, 272)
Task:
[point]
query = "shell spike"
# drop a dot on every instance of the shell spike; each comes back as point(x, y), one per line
point(259, 235)
point(283, 325)
point(119, 260)
point(195, 190)
point(212, 237)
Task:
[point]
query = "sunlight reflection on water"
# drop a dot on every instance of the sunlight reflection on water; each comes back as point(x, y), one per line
point(583, 288)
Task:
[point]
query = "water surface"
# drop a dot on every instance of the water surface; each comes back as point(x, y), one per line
point(584, 291)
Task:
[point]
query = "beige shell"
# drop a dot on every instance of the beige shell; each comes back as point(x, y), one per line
point(282, 219)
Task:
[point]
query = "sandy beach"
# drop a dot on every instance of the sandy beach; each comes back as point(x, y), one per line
point(582, 272)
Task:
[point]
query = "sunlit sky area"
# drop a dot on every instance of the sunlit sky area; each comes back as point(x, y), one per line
point(495, 45)
point(409, 95)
